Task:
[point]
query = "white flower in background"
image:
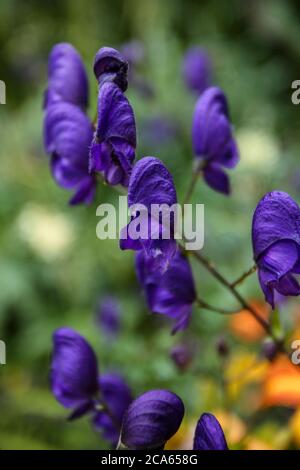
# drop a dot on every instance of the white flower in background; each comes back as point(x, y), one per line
point(258, 149)
point(50, 234)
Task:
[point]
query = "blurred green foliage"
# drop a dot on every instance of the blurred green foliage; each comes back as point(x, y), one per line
point(53, 269)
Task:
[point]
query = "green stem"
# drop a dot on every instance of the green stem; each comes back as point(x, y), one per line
point(240, 279)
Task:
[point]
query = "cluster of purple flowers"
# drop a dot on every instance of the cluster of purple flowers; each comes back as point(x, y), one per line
point(78, 152)
point(147, 422)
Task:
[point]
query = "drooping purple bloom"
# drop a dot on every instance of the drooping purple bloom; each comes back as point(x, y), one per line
point(108, 316)
point(67, 137)
point(76, 384)
point(209, 434)
point(276, 244)
point(212, 138)
point(113, 148)
point(197, 69)
point(117, 396)
point(182, 355)
point(67, 79)
point(171, 293)
point(74, 371)
point(111, 66)
point(151, 420)
point(151, 184)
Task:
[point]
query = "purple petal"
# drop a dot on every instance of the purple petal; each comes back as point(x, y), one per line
point(171, 293)
point(151, 420)
point(110, 65)
point(216, 178)
point(151, 183)
point(67, 77)
point(108, 316)
point(113, 148)
point(212, 137)
point(276, 217)
point(117, 396)
point(197, 69)
point(208, 434)
point(74, 370)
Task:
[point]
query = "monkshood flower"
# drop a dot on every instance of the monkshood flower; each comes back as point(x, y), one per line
point(113, 148)
point(68, 134)
point(117, 396)
point(276, 244)
point(151, 420)
point(76, 385)
point(74, 372)
point(197, 69)
point(150, 184)
point(111, 66)
point(67, 79)
point(212, 139)
point(171, 293)
point(108, 316)
point(182, 355)
point(208, 434)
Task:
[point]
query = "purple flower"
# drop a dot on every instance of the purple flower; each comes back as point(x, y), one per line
point(67, 79)
point(151, 183)
point(113, 148)
point(151, 420)
point(197, 69)
point(208, 434)
point(182, 355)
point(67, 137)
point(111, 66)
point(117, 396)
point(276, 244)
point(171, 293)
point(75, 383)
point(212, 138)
point(74, 371)
point(108, 316)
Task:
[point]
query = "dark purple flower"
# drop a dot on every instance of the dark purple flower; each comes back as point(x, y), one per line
point(276, 244)
point(151, 420)
point(151, 184)
point(67, 136)
point(111, 66)
point(182, 355)
point(208, 434)
point(74, 371)
point(113, 148)
point(171, 293)
point(197, 69)
point(117, 396)
point(212, 138)
point(134, 53)
point(67, 79)
point(108, 316)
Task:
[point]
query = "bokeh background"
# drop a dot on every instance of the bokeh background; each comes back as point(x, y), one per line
point(53, 269)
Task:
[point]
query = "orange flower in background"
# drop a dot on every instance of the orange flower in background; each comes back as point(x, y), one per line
point(281, 386)
point(245, 327)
